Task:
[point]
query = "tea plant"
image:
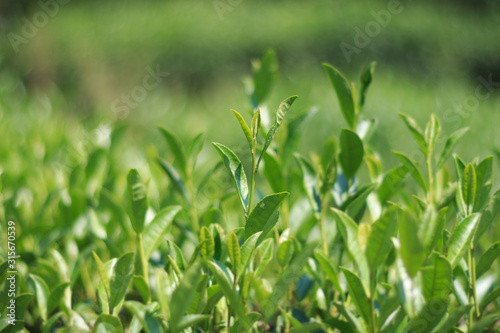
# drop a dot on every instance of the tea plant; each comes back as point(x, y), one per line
point(327, 242)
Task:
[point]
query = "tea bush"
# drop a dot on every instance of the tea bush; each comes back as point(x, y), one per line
point(270, 242)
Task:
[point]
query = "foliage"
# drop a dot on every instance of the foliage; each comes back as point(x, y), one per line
point(331, 241)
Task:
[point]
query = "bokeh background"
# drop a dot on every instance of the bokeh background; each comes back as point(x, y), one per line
point(60, 76)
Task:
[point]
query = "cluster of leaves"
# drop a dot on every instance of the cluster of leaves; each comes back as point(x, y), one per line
point(337, 254)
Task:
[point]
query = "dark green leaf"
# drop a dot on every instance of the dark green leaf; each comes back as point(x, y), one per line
point(244, 127)
point(229, 292)
point(42, 295)
point(56, 296)
point(412, 250)
point(183, 296)
point(285, 252)
point(358, 295)
point(379, 241)
point(264, 216)
point(487, 259)
point(437, 279)
point(138, 200)
point(461, 238)
point(233, 247)
point(351, 152)
point(122, 274)
point(488, 216)
point(110, 323)
point(415, 131)
point(366, 79)
point(412, 168)
point(280, 115)
point(208, 247)
point(235, 168)
point(468, 188)
point(155, 232)
point(343, 89)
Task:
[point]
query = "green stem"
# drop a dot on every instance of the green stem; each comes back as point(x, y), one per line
point(252, 184)
point(324, 206)
point(431, 178)
point(141, 263)
point(192, 209)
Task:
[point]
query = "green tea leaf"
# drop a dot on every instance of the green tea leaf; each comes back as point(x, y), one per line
point(351, 152)
point(461, 238)
point(468, 187)
point(285, 252)
point(176, 147)
point(122, 274)
point(366, 79)
point(487, 259)
point(42, 295)
point(191, 320)
point(264, 216)
point(280, 115)
point(208, 247)
point(144, 313)
point(430, 316)
point(157, 229)
point(329, 268)
point(415, 131)
point(412, 249)
point(349, 231)
point(437, 281)
point(244, 127)
point(138, 200)
point(343, 89)
point(357, 293)
point(449, 145)
point(235, 168)
point(484, 182)
point(246, 252)
point(379, 241)
point(266, 248)
point(229, 292)
point(432, 132)
point(142, 286)
point(390, 182)
point(56, 296)
point(103, 274)
point(412, 168)
point(109, 323)
point(489, 298)
point(488, 216)
point(233, 247)
point(183, 296)
point(431, 227)
point(453, 319)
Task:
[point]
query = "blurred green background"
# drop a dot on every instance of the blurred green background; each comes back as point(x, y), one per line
point(60, 76)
